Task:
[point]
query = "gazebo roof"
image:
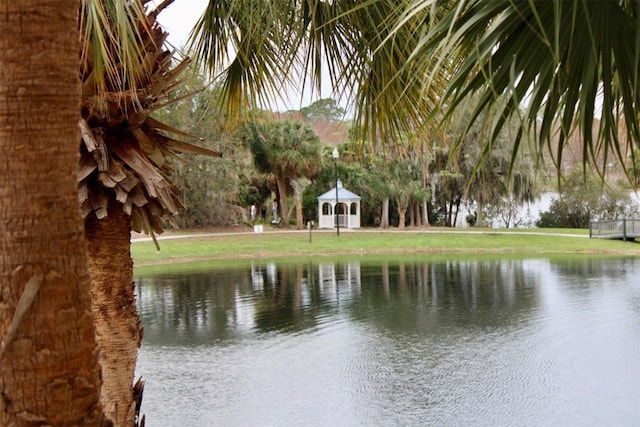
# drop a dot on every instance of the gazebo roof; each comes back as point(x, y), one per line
point(343, 194)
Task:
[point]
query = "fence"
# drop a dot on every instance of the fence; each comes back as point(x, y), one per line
point(625, 229)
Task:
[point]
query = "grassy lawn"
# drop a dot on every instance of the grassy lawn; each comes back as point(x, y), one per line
point(282, 244)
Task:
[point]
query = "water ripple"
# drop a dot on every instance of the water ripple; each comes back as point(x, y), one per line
point(548, 346)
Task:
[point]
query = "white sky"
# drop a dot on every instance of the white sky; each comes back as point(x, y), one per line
point(180, 17)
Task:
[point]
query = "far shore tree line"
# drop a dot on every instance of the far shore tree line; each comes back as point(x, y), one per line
point(278, 157)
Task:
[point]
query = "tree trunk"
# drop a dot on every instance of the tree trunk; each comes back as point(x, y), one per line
point(424, 205)
point(297, 196)
point(384, 217)
point(412, 215)
point(282, 202)
point(402, 214)
point(416, 207)
point(479, 214)
point(425, 214)
point(455, 218)
point(49, 373)
point(118, 331)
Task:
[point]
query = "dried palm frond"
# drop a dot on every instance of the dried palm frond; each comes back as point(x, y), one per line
point(126, 154)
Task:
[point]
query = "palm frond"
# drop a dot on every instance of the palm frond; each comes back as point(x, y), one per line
point(111, 31)
point(557, 64)
point(126, 155)
point(243, 43)
point(257, 47)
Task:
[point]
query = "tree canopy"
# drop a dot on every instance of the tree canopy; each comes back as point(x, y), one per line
point(323, 109)
point(289, 151)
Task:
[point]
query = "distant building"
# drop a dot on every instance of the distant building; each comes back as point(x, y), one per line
point(348, 209)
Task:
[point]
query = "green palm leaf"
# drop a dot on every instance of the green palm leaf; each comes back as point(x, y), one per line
point(256, 47)
point(554, 63)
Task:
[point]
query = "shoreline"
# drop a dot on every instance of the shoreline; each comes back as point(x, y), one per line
point(192, 246)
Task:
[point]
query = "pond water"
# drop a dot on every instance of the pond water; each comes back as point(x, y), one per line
point(367, 343)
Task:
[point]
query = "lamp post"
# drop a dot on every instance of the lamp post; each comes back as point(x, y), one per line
point(335, 155)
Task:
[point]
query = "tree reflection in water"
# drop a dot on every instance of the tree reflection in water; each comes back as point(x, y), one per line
point(409, 342)
point(207, 306)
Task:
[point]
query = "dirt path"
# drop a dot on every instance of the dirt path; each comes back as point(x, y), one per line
point(182, 234)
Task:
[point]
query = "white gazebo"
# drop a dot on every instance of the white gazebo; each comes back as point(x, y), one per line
point(348, 208)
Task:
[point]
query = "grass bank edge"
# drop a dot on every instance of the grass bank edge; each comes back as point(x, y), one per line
point(279, 245)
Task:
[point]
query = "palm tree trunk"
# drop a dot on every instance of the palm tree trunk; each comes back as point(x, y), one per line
point(425, 214)
point(49, 373)
point(282, 203)
point(384, 217)
point(419, 221)
point(412, 215)
point(402, 214)
point(424, 205)
point(297, 196)
point(113, 297)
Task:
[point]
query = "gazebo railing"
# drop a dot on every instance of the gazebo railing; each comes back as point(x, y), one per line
point(342, 220)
